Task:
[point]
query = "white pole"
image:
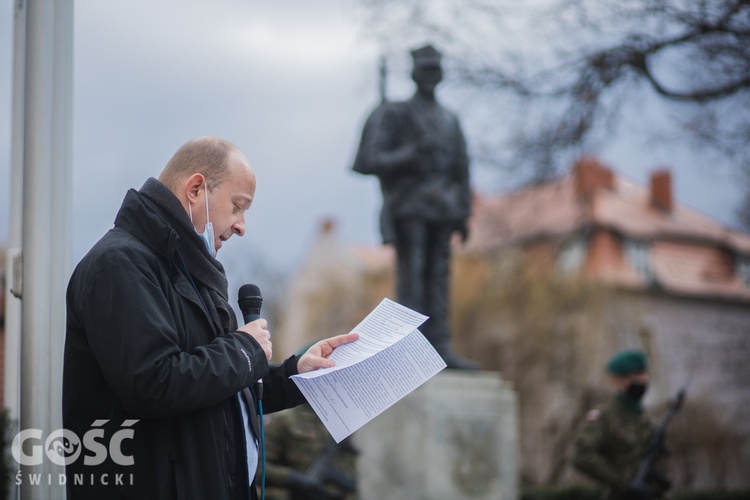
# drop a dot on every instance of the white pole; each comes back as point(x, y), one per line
point(12, 302)
point(11, 394)
point(62, 196)
point(46, 226)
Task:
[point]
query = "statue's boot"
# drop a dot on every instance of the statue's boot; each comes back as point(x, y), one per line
point(456, 362)
point(441, 342)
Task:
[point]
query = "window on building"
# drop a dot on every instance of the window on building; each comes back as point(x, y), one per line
point(637, 253)
point(571, 255)
point(743, 269)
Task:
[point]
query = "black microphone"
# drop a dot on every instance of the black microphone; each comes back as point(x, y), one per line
point(250, 301)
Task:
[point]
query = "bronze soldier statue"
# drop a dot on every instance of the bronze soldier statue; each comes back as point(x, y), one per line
point(417, 150)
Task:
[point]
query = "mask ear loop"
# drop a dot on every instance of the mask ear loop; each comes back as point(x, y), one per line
point(190, 205)
point(208, 218)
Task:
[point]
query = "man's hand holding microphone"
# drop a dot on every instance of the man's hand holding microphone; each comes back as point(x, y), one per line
point(317, 356)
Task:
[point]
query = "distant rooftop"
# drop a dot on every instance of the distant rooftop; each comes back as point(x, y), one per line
point(685, 251)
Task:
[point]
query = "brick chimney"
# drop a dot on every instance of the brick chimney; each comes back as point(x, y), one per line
point(660, 189)
point(590, 175)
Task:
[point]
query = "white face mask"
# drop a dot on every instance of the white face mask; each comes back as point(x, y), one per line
point(208, 232)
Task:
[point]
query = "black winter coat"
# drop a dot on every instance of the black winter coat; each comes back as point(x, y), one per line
point(140, 346)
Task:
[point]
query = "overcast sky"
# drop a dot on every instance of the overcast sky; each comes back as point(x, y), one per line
point(289, 82)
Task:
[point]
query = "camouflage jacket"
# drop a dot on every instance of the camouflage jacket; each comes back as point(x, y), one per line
point(295, 439)
point(610, 444)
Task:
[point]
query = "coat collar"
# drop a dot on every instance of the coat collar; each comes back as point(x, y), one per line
point(138, 219)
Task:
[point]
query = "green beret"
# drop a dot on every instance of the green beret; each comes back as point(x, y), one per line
point(627, 362)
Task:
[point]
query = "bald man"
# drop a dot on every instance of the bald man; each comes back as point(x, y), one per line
point(158, 374)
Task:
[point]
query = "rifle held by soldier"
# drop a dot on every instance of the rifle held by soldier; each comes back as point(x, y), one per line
point(648, 483)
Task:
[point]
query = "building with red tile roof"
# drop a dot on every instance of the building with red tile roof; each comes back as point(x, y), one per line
point(617, 231)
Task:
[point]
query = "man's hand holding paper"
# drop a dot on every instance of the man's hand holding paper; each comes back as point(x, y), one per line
point(390, 359)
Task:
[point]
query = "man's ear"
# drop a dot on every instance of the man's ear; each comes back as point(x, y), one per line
point(193, 186)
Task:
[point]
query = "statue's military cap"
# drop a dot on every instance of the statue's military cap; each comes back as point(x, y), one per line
point(427, 56)
point(627, 362)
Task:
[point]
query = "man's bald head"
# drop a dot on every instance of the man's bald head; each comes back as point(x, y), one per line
point(209, 156)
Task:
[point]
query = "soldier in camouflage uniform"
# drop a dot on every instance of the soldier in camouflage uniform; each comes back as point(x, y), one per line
point(612, 440)
point(303, 462)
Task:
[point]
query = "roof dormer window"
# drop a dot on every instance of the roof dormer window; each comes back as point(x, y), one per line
point(638, 255)
point(571, 255)
point(743, 269)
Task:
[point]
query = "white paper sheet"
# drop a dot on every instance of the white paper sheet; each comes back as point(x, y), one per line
point(390, 359)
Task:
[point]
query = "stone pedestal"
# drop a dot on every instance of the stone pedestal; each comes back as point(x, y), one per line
point(454, 437)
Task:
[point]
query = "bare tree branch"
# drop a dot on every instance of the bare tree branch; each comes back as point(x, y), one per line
point(573, 68)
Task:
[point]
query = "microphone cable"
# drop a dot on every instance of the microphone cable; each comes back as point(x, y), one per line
point(262, 446)
point(250, 301)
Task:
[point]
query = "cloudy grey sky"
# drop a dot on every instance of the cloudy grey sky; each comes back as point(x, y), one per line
point(289, 82)
point(290, 91)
